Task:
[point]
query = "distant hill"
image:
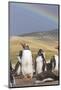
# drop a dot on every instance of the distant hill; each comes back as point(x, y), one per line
point(45, 35)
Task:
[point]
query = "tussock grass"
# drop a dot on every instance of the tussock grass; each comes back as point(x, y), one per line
point(34, 44)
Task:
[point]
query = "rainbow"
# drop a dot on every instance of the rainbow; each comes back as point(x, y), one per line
point(40, 11)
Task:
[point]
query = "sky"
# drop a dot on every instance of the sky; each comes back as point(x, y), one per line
point(27, 18)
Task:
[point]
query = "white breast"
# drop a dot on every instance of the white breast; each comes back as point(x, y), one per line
point(19, 70)
point(39, 64)
point(27, 62)
point(56, 58)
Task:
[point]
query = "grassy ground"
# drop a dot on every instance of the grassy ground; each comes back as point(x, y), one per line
point(34, 44)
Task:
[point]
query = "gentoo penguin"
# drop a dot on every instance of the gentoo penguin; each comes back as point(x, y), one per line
point(40, 62)
point(27, 68)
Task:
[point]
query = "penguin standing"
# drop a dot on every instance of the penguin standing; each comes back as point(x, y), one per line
point(27, 68)
point(40, 62)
